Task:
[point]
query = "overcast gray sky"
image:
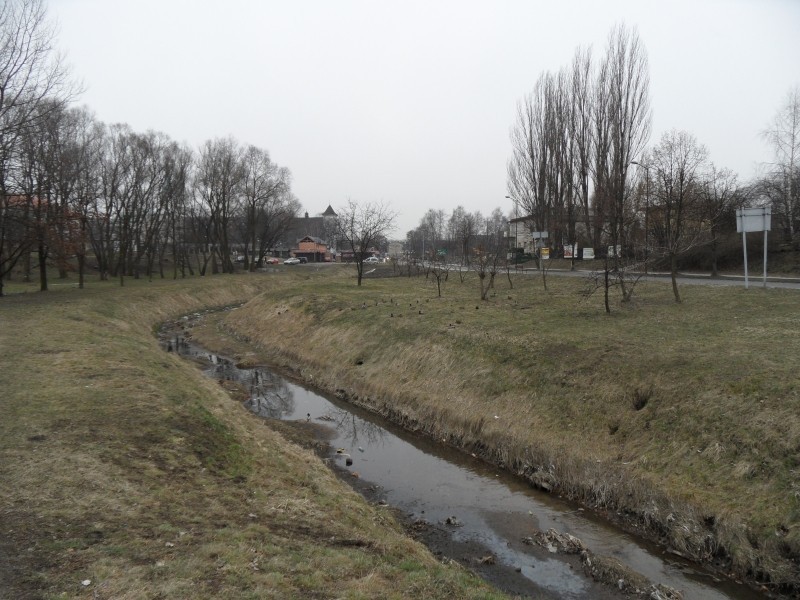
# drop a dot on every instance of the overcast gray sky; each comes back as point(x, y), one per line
point(411, 102)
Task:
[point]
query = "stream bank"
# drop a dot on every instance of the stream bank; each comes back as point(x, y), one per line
point(445, 538)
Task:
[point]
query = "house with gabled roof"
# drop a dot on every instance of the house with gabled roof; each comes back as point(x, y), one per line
point(319, 230)
point(313, 249)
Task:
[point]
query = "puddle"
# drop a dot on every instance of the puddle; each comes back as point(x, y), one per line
point(493, 510)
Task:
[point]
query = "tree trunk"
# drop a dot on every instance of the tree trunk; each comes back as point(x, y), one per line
point(673, 267)
point(714, 268)
point(81, 267)
point(484, 289)
point(42, 269)
point(714, 271)
point(26, 268)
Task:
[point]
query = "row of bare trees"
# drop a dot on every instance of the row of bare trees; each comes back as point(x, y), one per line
point(240, 198)
point(72, 186)
point(459, 237)
point(581, 169)
point(33, 81)
point(691, 202)
point(574, 140)
point(134, 201)
point(684, 201)
point(467, 240)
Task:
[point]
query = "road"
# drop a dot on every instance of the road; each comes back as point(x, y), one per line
point(692, 278)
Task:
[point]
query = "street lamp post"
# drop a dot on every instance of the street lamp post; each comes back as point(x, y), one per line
point(646, 211)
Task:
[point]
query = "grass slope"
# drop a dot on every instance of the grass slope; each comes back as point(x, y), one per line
point(683, 417)
point(122, 465)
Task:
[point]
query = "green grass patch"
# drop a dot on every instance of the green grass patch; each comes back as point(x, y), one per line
point(216, 445)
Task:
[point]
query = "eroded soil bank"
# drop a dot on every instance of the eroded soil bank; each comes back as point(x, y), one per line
point(432, 525)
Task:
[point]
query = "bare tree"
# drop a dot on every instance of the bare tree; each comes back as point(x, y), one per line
point(112, 166)
point(266, 204)
point(582, 134)
point(359, 228)
point(130, 197)
point(439, 269)
point(133, 180)
point(431, 235)
point(627, 86)
point(32, 178)
point(782, 184)
point(491, 251)
point(198, 233)
point(432, 226)
point(276, 219)
point(178, 164)
point(219, 181)
point(621, 131)
point(549, 174)
point(78, 178)
point(462, 228)
point(30, 76)
point(720, 196)
point(530, 162)
point(151, 200)
point(676, 211)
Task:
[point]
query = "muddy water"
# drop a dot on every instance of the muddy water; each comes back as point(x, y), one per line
point(482, 509)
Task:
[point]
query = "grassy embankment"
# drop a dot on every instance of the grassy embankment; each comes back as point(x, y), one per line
point(122, 465)
point(685, 419)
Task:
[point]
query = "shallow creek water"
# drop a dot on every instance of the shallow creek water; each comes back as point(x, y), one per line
point(480, 508)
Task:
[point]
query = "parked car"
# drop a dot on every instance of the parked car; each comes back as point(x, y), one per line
point(292, 261)
point(372, 259)
point(303, 260)
point(272, 260)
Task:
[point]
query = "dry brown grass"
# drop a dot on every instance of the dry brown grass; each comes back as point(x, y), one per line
point(121, 464)
point(683, 417)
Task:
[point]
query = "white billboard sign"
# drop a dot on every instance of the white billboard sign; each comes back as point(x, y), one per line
point(754, 219)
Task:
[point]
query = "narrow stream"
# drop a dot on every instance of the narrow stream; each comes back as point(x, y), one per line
point(482, 509)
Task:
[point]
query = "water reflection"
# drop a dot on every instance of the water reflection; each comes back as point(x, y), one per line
point(270, 396)
point(354, 430)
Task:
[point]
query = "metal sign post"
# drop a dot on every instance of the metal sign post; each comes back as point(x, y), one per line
point(540, 235)
point(754, 219)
